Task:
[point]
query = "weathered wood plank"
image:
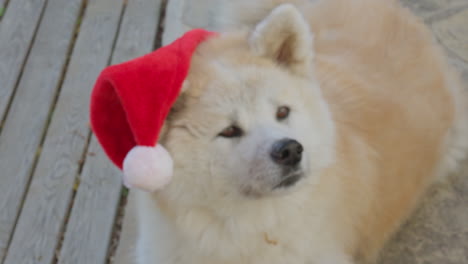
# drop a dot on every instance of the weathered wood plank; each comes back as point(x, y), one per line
point(24, 126)
point(90, 225)
point(183, 15)
point(174, 25)
point(452, 33)
point(201, 13)
point(138, 30)
point(16, 34)
point(89, 230)
point(2, 8)
point(125, 253)
point(51, 188)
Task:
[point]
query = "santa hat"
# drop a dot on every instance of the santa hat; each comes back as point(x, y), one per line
point(129, 104)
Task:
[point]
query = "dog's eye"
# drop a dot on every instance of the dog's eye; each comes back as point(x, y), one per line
point(231, 131)
point(282, 112)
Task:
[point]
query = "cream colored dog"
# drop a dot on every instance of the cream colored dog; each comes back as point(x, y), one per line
point(305, 138)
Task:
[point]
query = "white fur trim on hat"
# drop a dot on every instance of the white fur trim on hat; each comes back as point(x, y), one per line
point(147, 168)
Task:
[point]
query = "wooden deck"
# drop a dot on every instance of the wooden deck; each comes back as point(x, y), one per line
point(60, 196)
point(58, 193)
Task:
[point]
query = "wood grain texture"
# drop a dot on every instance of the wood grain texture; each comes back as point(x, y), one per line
point(24, 126)
point(89, 230)
point(126, 250)
point(51, 188)
point(2, 5)
point(174, 25)
point(16, 34)
point(90, 225)
point(138, 30)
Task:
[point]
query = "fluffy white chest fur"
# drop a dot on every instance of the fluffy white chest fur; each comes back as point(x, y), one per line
point(268, 235)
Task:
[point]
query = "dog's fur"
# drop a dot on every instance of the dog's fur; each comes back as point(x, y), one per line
point(379, 112)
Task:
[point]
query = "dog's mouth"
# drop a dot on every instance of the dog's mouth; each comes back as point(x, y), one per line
point(289, 180)
point(278, 181)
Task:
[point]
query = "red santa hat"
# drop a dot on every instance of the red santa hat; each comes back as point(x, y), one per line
point(129, 104)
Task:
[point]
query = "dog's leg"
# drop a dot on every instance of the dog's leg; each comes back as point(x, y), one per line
point(155, 239)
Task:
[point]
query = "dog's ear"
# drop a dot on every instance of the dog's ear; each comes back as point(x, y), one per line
point(285, 37)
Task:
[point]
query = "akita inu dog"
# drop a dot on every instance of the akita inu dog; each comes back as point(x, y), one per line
point(307, 136)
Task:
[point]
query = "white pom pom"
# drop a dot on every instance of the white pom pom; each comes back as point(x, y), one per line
point(147, 168)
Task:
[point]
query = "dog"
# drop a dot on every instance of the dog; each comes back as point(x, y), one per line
point(307, 135)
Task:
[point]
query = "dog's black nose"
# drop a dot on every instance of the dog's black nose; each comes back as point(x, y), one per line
point(287, 152)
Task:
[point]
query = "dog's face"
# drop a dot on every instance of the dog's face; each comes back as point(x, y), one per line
point(251, 121)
